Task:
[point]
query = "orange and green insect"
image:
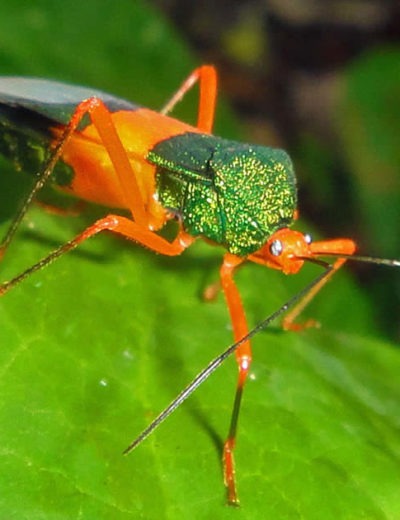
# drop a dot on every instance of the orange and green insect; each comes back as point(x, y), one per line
point(109, 151)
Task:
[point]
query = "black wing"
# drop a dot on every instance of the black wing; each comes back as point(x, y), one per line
point(30, 107)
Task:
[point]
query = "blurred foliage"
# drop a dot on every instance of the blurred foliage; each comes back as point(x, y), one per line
point(369, 126)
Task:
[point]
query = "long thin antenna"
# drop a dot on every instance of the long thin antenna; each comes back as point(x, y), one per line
point(215, 363)
point(367, 259)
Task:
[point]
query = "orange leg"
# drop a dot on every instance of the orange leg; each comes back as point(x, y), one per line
point(337, 247)
point(290, 317)
point(243, 358)
point(211, 291)
point(137, 230)
point(117, 224)
point(101, 119)
point(207, 77)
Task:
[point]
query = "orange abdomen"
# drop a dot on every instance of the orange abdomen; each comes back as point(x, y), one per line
point(94, 176)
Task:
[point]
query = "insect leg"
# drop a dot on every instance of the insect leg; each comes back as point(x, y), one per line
point(116, 224)
point(207, 77)
point(243, 358)
point(101, 118)
point(336, 247)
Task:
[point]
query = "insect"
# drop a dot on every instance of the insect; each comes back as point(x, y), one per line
point(105, 150)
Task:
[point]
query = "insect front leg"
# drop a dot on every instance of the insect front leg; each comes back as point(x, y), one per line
point(287, 250)
point(344, 246)
point(243, 358)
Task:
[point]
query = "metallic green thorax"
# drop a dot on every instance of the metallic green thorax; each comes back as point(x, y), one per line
point(234, 194)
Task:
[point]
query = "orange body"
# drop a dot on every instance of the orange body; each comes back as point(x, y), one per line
point(94, 174)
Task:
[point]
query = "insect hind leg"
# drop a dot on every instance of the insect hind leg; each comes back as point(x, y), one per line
point(116, 224)
point(206, 75)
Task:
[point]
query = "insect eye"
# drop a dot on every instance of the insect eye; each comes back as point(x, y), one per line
point(276, 248)
point(308, 238)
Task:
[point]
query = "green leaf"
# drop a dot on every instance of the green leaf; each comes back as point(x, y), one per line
point(94, 346)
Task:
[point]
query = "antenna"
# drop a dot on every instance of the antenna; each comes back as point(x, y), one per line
point(216, 362)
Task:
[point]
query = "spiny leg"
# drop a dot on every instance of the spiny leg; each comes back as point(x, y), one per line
point(207, 77)
point(116, 224)
point(243, 358)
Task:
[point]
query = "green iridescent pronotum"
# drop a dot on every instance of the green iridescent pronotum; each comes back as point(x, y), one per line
point(235, 194)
